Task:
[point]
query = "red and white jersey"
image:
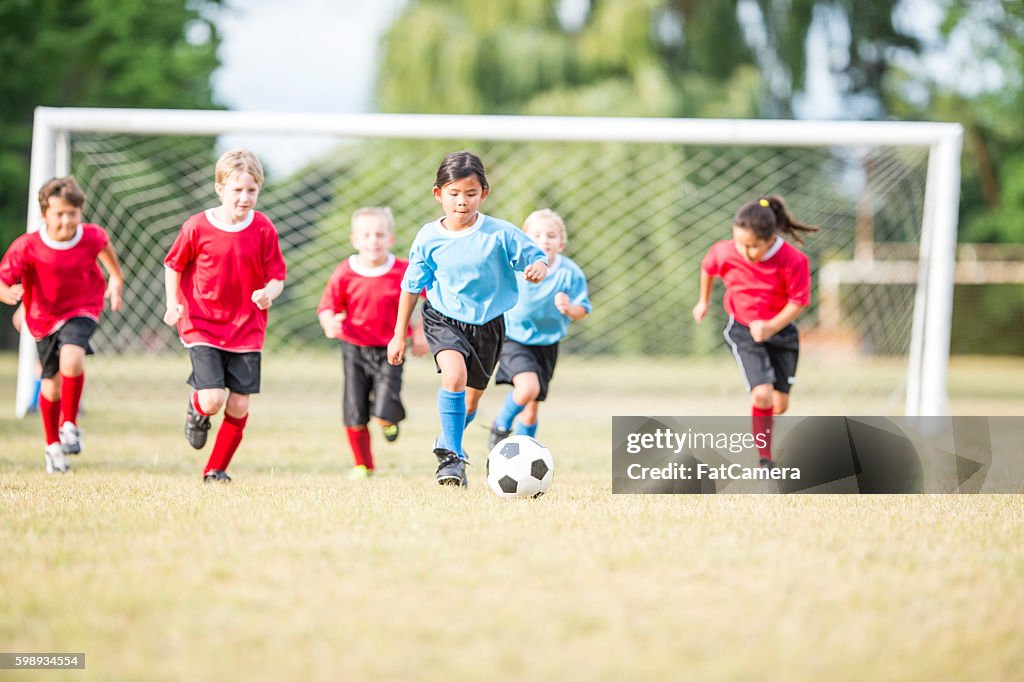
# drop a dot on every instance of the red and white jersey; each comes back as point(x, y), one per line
point(368, 297)
point(61, 279)
point(758, 291)
point(221, 265)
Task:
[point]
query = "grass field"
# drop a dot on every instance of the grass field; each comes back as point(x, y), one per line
point(295, 572)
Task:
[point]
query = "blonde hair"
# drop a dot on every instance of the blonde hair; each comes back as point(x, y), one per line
point(382, 212)
point(238, 161)
point(547, 214)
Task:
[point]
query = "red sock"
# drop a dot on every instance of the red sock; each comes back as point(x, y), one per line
point(50, 412)
point(71, 395)
point(762, 430)
point(228, 438)
point(359, 439)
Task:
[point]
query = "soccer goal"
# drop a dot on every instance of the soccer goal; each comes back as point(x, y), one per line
point(643, 200)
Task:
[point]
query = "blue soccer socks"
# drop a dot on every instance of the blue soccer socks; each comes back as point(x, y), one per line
point(510, 409)
point(470, 416)
point(451, 406)
point(526, 430)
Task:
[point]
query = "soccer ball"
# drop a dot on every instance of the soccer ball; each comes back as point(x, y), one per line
point(519, 466)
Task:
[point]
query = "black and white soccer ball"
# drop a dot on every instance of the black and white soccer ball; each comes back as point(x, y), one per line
point(519, 466)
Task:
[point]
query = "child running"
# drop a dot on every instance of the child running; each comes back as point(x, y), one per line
point(359, 306)
point(767, 284)
point(54, 269)
point(534, 327)
point(222, 273)
point(467, 262)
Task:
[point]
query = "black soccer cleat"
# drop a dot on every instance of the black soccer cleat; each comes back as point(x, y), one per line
point(197, 427)
point(498, 434)
point(451, 469)
point(390, 432)
point(216, 476)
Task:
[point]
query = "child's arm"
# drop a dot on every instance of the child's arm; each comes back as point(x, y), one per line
point(419, 339)
point(172, 281)
point(115, 280)
point(396, 347)
point(568, 308)
point(762, 330)
point(11, 294)
point(264, 298)
point(704, 297)
point(330, 322)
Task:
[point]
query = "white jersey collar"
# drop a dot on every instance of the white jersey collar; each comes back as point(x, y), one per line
point(228, 227)
point(459, 234)
point(378, 271)
point(61, 246)
point(774, 249)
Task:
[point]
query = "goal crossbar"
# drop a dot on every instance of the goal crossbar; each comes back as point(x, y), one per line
point(930, 332)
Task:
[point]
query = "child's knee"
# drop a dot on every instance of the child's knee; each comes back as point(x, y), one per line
point(238, 405)
point(761, 396)
point(211, 400)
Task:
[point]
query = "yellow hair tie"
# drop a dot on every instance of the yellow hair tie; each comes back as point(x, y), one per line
point(763, 202)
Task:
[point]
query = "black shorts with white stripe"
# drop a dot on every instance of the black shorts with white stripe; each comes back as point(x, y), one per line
point(768, 362)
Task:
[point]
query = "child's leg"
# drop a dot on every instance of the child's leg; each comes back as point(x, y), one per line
point(525, 389)
point(49, 408)
point(209, 401)
point(526, 425)
point(451, 398)
point(236, 413)
point(359, 441)
point(761, 411)
point(72, 375)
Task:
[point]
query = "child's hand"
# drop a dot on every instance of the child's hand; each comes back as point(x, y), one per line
point(262, 299)
point(396, 349)
point(761, 330)
point(332, 325)
point(562, 302)
point(699, 311)
point(172, 315)
point(535, 272)
point(12, 295)
point(113, 292)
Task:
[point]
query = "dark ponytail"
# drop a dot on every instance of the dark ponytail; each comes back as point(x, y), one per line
point(767, 216)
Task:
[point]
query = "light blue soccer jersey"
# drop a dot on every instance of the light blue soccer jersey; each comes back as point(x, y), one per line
point(535, 321)
point(470, 275)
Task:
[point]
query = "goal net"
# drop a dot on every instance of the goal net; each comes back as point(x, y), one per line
point(643, 200)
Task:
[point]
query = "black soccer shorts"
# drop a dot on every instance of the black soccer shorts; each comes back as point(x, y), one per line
point(769, 362)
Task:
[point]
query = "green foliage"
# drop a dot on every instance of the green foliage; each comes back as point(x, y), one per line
point(122, 53)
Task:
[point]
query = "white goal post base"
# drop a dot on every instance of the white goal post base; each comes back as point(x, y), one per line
point(928, 355)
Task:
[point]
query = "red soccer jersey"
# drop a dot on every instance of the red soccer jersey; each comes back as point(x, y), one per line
point(221, 265)
point(61, 279)
point(368, 297)
point(758, 291)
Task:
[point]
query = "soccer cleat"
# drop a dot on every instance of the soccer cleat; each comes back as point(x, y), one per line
point(451, 469)
point(56, 462)
point(766, 463)
point(216, 476)
point(390, 432)
point(197, 427)
point(70, 439)
point(498, 434)
point(360, 473)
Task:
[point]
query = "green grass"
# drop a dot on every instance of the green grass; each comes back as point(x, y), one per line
point(294, 572)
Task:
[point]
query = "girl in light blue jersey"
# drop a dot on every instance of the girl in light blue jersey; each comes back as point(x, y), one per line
point(534, 327)
point(466, 262)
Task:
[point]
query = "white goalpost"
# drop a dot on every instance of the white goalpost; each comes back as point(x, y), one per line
point(696, 170)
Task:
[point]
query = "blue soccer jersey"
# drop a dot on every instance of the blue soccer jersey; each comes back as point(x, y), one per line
point(470, 275)
point(535, 321)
